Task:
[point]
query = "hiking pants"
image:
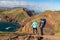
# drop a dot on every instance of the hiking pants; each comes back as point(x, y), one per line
point(35, 30)
point(41, 31)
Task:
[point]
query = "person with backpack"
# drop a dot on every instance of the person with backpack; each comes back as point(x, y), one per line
point(42, 25)
point(34, 26)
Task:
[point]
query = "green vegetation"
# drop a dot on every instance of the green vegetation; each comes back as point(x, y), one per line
point(12, 33)
point(14, 15)
point(22, 33)
point(57, 28)
point(7, 33)
point(21, 16)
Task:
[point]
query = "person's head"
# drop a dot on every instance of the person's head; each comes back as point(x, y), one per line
point(43, 19)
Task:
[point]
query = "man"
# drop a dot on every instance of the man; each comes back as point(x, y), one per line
point(42, 25)
point(34, 25)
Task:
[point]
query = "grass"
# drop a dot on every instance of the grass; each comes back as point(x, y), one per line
point(14, 33)
point(17, 14)
point(23, 33)
point(21, 16)
point(57, 33)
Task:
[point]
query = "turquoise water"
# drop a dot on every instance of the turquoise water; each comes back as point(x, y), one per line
point(9, 26)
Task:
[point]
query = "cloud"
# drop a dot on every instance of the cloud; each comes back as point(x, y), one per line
point(15, 3)
point(8, 3)
point(29, 5)
point(8, 0)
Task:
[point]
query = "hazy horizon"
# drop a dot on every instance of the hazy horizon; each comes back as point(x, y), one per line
point(36, 5)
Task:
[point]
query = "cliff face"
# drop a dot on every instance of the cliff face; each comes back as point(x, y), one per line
point(29, 12)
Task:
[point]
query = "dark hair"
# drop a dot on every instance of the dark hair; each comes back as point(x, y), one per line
point(42, 19)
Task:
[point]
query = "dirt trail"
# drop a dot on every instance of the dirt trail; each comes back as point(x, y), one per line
point(51, 37)
point(31, 37)
point(45, 37)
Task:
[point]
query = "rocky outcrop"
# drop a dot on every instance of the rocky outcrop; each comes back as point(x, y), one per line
point(29, 12)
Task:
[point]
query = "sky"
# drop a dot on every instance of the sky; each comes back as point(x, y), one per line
point(37, 5)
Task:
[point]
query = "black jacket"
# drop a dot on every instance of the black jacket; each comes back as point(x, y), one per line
point(42, 23)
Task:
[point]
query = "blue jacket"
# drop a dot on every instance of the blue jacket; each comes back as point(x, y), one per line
point(34, 25)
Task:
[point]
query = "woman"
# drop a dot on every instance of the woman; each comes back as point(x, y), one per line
point(34, 25)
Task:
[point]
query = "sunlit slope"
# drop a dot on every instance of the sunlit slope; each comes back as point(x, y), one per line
point(17, 14)
point(52, 25)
